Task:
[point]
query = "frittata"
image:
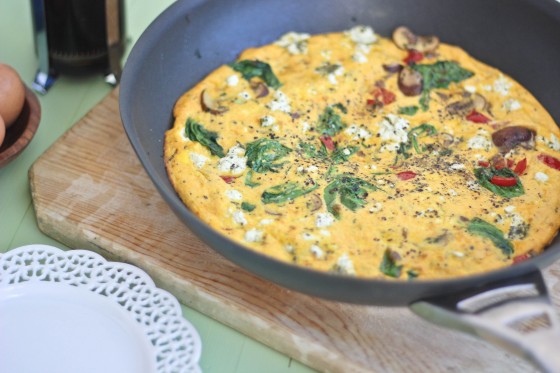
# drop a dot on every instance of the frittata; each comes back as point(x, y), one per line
point(366, 156)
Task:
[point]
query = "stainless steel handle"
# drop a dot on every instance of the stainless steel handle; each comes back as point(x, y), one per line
point(516, 315)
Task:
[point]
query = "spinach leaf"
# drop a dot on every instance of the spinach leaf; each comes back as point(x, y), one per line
point(408, 110)
point(249, 180)
point(196, 132)
point(484, 229)
point(263, 154)
point(285, 192)
point(329, 122)
point(351, 191)
point(310, 151)
point(439, 75)
point(340, 155)
point(256, 68)
point(247, 206)
point(388, 265)
point(484, 175)
point(422, 130)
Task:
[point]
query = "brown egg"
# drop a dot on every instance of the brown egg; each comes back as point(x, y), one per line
point(2, 130)
point(12, 94)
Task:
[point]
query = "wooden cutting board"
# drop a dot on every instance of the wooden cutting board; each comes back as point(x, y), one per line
point(90, 191)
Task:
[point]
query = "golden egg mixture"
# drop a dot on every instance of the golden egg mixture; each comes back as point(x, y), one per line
point(360, 155)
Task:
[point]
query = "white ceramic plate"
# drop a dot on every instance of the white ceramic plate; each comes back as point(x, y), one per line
point(67, 312)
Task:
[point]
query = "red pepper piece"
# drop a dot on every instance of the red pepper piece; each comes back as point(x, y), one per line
point(521, 258)
point(413, 57)
point(521, 166)
point(503, 181)
point(384, 95)
point(550, 161)
point(327, 141)
point(406, 175)
point(510, 163)
point(484, 164)
point(228, 179)
point(476, 117)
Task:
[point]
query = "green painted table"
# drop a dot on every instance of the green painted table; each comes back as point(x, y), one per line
point(224, 349)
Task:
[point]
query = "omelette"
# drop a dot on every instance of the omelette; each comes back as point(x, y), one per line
point(347, 152)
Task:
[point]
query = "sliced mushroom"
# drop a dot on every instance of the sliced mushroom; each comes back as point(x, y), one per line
point(210, 105)
point(314, 203)
point(410, 82)
point(461, 107)
point(407, 40)
point(480, 103)
point(447, 139)
point(509, 137)
point(260, 89)
point(393, 67)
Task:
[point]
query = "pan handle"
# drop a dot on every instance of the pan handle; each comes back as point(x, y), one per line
point(515, 314)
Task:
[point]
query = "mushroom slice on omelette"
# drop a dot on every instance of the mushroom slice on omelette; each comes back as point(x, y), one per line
point(360, 155)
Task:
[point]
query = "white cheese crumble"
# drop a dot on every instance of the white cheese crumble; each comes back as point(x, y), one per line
point(239, 217)
point(234, 162)
point(324, 219)
point(457, 166)
point(377, 206)
point(310, 169)
point(473, 185)
point(393, 129)
point(361, 35)
point(281, 102)
point(316, 251)
point(509, 209)
point(470, 88)
point(266, 221)
point(304, 127)
point(234, 195)
point(244, 95)
point(254, 235)
point(289, 248)
point(359, 57)
point(541, 176)
point(344, 265)
point(267, 121)
point(452, 193)
point(480, 141)
point(338, 72)
point(295, 43)
point(198, 159)
point(357, 132)
point(553, 143)
point(502, 85)
point(232, 80)
point(510, 105)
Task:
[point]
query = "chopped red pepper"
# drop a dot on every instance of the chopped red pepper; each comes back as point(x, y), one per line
point(413, 57)
point(327, 141)
point(550, 161)
point(484, 163)
point(510, 163)
point(521, 166)
point(228, 179)
point(406, 175)
point(476, 117)
point(503, 181)
point(383, 95)
point(521, 258)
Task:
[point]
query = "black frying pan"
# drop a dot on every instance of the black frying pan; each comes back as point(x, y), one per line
point(192, 38)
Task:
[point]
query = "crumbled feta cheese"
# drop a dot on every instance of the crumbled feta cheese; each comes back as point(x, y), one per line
point(518, 228)
point(541, 176)
point(324, 219)
point(338, 72)
point(344, 265)
point(509, 209)
point(473, 185)
point(198, 159)
point(304, 127)
point(267, 121)
point(295, 43)
point(357, 132)
point(239, 217)
point(307, 236)
point(359, 57)
point(553, 143)
point(393, 129)
point(232, 80)
point(254, 235)
point(480, 141)
point(281, 102)
point(346, 151)
point(470, 88)
point(266, 221)
point(234, 162)
point(511, 105)
point(289, 248)
point(458, 254)
point(310, 169)
point(316, 251)
point(377, 206)
point(234, 195)
point(457, 167)
point(502, 85)
point(361, 35)
point(452, 193)
point(244, 95)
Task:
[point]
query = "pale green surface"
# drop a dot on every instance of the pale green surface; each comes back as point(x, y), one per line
point(224, 349)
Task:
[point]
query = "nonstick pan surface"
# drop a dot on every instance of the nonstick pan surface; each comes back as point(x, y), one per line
point(192, 38)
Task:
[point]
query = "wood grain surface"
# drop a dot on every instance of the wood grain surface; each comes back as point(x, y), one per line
point(90, 191)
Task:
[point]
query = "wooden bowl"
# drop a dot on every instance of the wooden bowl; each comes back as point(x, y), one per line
point(20, 133)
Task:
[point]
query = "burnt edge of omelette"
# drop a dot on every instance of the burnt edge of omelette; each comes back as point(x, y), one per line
point(360, 155)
